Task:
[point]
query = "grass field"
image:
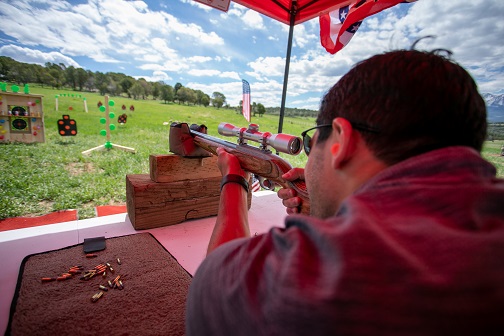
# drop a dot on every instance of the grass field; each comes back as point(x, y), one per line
point(40, 178)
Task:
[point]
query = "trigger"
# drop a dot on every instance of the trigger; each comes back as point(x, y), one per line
point(265, 183)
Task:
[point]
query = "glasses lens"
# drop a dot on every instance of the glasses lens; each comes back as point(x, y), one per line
point(307, 143)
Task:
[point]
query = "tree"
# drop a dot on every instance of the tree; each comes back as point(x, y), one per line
point(71, 76)
point(177, 87)
point(38, 73)
point(260, 109)
point(57, 73)
point(156, 90)
point(20, 73)
point(147, 87)
point(200, 96)
point(186, 95)
point(81, 77)
point(205, 100)
point(113, 88)
point(136, 90)
point(90, 81)
point(126, 83)
point(219, 95)
point(101, 82)
point(5, 65)
point(239, 109)
point(217, 102)
point(218, 99)
point(167, 93)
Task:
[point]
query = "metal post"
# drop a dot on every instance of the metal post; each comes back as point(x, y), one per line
point(293, 13)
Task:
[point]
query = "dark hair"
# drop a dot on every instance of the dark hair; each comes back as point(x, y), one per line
point(417, 101)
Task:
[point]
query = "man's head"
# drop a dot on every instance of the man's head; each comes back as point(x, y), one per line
point(386, 109)
point(404, 103)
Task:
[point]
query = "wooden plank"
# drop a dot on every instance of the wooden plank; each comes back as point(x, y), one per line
point(151, 204)
point(171, 168)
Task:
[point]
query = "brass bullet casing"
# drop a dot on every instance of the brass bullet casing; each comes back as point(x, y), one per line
point(47, 279)
point(96, 297)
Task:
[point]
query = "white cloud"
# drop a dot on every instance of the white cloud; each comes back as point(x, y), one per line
point(200, 73)
point(253, 19)
point(104, 31)
point(271, 66)
point(33, 56)
point(199, 59)
point(302, 38)
point(229, 74)
point(197, 4)
point(213, 50)
point(157, 76)
point(213, 73)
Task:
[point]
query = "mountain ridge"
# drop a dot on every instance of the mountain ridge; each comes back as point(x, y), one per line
point(495, 107)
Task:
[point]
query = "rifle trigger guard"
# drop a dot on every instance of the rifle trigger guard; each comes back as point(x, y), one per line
point(265, 183)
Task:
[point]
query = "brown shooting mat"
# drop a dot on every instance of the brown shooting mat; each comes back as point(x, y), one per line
point(152, 301)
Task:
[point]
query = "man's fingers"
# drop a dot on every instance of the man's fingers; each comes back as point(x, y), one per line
point(291, 211)
point(294, 174)
point(293, 202)
point(286, 193)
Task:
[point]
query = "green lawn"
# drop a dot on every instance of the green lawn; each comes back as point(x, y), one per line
point(43, 177)
point(492, 152)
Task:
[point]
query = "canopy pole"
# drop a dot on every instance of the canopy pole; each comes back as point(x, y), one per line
point(293, 13)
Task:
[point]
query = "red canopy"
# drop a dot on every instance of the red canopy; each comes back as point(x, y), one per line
point(304, 9)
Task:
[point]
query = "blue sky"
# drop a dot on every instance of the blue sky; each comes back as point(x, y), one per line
point(206, 49)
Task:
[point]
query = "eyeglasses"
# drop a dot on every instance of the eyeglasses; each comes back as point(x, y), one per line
point(307, 140)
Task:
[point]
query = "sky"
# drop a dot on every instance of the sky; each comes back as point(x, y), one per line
point(183, 41)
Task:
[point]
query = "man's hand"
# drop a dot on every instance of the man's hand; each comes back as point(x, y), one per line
point(288, 195)
point(229, 164)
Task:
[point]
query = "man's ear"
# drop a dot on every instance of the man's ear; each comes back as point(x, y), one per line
point(344, 147)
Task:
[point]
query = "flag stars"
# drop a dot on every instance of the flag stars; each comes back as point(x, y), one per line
point(343, 12)
point(353, 28)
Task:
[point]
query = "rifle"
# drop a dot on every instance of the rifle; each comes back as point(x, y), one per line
point(193, 141)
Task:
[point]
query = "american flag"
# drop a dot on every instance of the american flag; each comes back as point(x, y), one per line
point(256, 186)
point(246, 100)
point(339, 26)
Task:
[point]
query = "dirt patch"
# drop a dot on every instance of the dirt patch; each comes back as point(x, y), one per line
point(79, 168)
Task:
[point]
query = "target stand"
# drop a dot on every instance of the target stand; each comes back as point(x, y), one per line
point(21, 117)
point(108, 127)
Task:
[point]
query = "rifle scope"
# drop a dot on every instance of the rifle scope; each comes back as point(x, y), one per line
point(284, 143)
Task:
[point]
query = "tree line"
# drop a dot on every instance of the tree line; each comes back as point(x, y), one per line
point(59, 76)
point(495, 131)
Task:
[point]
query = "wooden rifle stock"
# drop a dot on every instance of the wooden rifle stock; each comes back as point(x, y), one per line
point(258, 162)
